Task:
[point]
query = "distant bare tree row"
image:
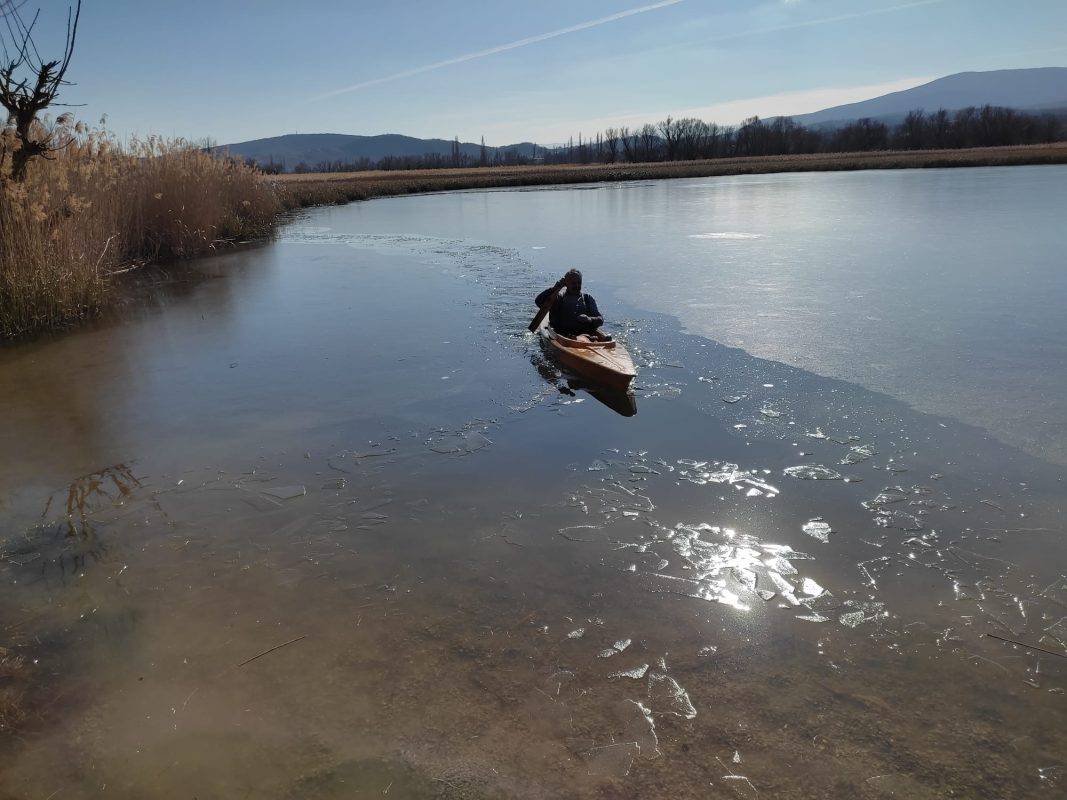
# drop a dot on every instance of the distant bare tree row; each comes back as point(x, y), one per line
point(486, 157)
point(988, 126)
point(690, 139)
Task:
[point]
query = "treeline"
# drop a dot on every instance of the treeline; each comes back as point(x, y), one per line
point(498, 158)
point(486, 157)
point(689, 139)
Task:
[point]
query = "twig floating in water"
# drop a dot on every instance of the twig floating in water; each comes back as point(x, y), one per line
point(576, 539)
point(1027, 646)
point(271, 650)
point(506, 539)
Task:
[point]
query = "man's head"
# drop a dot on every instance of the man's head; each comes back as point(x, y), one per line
point(573, 281)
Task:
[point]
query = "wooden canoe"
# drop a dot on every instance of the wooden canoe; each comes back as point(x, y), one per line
point(604, 362)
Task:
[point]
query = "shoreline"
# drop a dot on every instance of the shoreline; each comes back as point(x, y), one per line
point(286, 194)
point(302, 190)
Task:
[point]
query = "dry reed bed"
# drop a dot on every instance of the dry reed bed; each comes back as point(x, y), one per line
point(323, 188)
point(97, 210)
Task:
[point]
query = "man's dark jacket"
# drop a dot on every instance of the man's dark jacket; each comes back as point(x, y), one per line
point(565, 313)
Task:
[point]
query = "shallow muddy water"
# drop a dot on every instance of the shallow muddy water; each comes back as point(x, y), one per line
point(319, 519)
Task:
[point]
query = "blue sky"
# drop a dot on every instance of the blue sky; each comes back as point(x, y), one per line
point(234, 70)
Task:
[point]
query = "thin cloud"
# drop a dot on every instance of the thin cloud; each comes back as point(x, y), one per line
point(541, 37)
point(1041, 51)
point(823, 21)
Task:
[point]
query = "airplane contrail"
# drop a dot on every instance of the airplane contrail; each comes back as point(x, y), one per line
point(541, 37)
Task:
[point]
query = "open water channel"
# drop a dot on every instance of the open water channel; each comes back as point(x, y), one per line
point(319, 518)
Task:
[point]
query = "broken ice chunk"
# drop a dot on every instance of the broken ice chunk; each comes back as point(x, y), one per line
point(785, 587)
point(817, 528)
point(857, 454)
point(667, 693)
point(637, 673)
point(618, 647)
point(813, 472)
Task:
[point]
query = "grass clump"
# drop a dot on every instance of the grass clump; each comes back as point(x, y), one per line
point(96, 209)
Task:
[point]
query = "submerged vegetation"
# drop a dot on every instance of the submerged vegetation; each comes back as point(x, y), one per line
point(95, 209)
point(13, 676)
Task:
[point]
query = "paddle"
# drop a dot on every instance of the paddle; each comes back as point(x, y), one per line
point(542, 311)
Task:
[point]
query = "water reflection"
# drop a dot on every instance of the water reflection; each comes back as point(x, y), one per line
point(74, 402)
point(622, 403)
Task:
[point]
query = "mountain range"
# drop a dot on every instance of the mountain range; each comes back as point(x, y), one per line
point(316, 148)
point(1037, 90)
point(1040, 89)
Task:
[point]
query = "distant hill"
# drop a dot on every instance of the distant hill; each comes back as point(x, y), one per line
point(1043, 89)
point(315, 148)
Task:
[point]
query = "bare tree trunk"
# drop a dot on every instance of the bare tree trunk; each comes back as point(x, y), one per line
point(29, 85)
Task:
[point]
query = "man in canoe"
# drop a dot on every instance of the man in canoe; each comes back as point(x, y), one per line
point(572, 313)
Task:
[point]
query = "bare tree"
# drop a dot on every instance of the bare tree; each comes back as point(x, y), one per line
point(910, 134)
point(668, 130)
point(709, 147)
point(939, 127)
point(29, 84)
point(629, 144)
point(649, 140)
point(10, 7)
point(690, 134)
point(611, 145)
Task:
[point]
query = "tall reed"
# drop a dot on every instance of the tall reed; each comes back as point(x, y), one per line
point(97, 208)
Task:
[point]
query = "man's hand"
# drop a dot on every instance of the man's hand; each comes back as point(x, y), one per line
point(561, 283)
